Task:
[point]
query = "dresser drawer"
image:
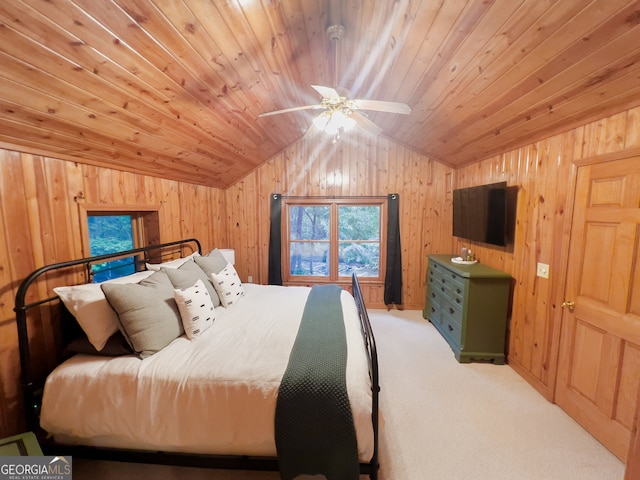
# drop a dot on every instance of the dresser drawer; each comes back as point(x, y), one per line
point(450, 291)
point(453, 278)
point(433, 310)
point(452, 310)
point(452, 328)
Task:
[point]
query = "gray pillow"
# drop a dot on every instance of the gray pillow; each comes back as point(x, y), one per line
point(187, 275)
point(148, 314)
point(214, 262)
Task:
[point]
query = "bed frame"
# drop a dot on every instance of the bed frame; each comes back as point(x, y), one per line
point(34, 369)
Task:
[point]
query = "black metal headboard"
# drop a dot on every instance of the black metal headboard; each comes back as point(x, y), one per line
point(32, 380)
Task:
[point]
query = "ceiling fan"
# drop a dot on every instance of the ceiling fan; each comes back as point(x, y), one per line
point(339, 112)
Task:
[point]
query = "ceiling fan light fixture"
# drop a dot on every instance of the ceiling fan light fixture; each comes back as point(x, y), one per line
point(343, 120)
point(332, 121)
point(322, 121)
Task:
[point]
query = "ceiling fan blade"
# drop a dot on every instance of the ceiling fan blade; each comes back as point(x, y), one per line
point(365, 123)
point(382, 106)
point(326, 92)
point(292, 109)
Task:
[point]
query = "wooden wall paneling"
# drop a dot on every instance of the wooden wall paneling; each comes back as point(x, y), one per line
point(74, 177)
point(311, 166)
point(254, 231)
point(170, 209)
point(144, 189)
point(605, 136)
point(348, 171)
point(549, 197)
point(246, 228)
point(410, 233)
point(209, 223)
point(40, 224)
point(187, 210)
point(216, 224)
point(16, 259)
point(632, 135)
point(47, 200)
point(204, 218)
point(384, 166)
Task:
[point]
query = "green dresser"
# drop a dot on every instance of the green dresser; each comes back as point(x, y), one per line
point(469, 304)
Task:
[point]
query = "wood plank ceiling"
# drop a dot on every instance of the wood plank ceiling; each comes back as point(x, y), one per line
point(174, 88)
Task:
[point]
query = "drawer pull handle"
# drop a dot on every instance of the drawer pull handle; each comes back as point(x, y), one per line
point(442, 288)
point(451, 311)
point(443, 280)
point(458, 291)
point(433, 294)
point(433, 310)
point(450, 328)
point(457, 300)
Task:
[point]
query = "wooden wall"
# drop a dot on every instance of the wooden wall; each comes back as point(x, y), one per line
point(356, 165)
point(39, 224)
point(545, 175)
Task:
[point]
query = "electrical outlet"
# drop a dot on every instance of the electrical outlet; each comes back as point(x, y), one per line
point(249, 279)
point(543, 270)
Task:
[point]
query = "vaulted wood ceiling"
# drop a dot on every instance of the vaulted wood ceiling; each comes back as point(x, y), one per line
point(174, 87)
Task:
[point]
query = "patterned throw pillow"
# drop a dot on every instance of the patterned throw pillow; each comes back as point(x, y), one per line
point(228, 285)
point(196, 309)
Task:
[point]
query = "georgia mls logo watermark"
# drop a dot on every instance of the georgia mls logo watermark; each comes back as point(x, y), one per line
point(36, 468)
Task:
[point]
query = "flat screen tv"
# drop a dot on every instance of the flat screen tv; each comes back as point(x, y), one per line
point(481, 213)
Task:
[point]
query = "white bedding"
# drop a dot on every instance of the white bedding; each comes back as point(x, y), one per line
point(215, 394)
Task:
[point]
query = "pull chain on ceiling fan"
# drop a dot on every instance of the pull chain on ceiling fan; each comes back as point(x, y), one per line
point(339, 112)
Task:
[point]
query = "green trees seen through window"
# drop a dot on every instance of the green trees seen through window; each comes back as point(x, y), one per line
point(110, 234)
point(353, 231)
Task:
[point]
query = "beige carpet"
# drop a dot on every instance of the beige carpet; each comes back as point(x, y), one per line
point(442, 421)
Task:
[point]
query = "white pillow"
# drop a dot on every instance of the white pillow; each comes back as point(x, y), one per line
point(178, 262)
point(196, 308)
point(228, 285)
point(90, 308)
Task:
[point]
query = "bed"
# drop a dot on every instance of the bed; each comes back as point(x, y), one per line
point(205, 395)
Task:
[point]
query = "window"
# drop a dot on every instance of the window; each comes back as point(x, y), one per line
point(114, 228)
point(330, 239)
point(109, 233)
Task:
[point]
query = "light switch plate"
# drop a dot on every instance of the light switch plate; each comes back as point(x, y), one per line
point(543, 270)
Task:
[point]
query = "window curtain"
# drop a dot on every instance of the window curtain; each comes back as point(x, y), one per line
point(393, 276)
point(275, 241)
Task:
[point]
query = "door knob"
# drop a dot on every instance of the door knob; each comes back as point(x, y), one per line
point(570, 305)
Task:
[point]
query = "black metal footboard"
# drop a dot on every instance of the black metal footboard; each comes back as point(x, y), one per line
point(372, 357)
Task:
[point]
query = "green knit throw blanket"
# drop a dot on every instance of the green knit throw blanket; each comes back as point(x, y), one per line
point(314, 428)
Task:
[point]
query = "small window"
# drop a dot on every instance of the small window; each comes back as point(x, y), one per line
point(110, 233)
point(330, 239)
